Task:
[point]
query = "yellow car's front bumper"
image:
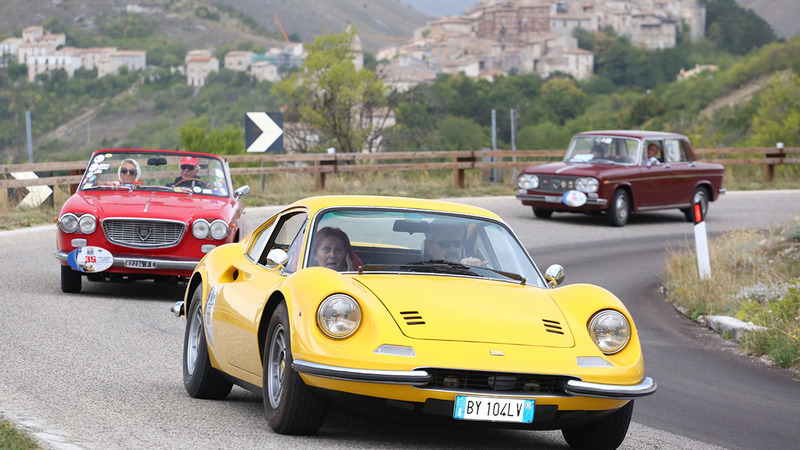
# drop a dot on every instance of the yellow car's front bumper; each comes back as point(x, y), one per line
point(422, 378)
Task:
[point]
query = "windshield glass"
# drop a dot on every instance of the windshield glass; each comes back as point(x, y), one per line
point(603, 150)
point(401, 240)
point(173, 172)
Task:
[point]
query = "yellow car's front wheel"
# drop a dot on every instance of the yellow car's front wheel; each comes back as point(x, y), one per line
point(291, 406)
point(606, 433)
point(199, 378)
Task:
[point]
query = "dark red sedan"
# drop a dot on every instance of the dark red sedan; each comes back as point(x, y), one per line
point(620, 172)
point(146, 214)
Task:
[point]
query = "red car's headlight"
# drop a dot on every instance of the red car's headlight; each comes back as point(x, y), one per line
point(71, 223)
point(68, 223)
point(219, 229)
point(87, 224)
point(200, 229)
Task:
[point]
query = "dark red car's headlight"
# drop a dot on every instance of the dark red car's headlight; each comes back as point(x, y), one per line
point(528, 181)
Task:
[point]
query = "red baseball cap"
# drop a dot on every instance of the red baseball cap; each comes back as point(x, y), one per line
point(189, 160)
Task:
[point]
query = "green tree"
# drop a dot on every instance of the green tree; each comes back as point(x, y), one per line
point(196, 137)
point(777, 118)
point(735, 29)
point(563, 98)
point(328, 94)
point(458, 133)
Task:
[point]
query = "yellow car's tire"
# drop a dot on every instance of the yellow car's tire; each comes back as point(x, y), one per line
point(606, 433)
point(291, 406)
point(199, 378)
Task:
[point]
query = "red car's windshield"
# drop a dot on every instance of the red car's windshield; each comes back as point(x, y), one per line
point(173, 172)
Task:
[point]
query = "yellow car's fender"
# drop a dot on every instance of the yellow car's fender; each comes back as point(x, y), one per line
point(572, 300)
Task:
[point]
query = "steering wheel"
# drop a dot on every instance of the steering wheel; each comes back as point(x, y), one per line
point(186, 180)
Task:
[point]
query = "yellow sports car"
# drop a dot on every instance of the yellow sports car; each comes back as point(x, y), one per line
point(418, 307)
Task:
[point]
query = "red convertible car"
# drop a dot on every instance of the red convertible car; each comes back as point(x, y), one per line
point(146, 214)
point(620, 172)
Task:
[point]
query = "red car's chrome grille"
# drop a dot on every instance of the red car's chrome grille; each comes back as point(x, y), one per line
point(143, 233)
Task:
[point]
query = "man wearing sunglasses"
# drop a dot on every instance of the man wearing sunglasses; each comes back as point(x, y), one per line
point(445, 242)
point(190, 167)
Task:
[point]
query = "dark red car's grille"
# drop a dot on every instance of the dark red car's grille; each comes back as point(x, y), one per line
point(556, 183)
point(142, 233)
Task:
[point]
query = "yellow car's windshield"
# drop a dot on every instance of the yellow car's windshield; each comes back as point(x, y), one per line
point(403, 240)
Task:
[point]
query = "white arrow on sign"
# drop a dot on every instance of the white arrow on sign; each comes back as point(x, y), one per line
point(36, 194)
point(270, 131)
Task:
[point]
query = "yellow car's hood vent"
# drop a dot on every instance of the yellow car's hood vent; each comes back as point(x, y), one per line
point(472, 310)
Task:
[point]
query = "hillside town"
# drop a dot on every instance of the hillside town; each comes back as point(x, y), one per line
point(42, 53)
point(533, 36)
point(493, 37)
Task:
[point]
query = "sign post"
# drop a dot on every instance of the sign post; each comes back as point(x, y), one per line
point(263, 132)
point(701, 243)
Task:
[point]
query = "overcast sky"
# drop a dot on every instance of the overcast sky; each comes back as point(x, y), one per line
point(440, 8)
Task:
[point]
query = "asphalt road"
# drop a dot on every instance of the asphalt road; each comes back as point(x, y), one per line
point(102, 369)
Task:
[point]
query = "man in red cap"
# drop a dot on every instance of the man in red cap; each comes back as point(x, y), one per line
point(190, 166)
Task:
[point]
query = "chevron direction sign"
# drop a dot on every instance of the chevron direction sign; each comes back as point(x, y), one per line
point(36, 194)
point(263, 132)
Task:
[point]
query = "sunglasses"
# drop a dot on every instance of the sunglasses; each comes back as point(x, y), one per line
point(125, 171)
point(446, 244)
point(187, 166)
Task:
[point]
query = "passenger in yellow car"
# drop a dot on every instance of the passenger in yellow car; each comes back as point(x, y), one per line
point(445, 242)
point(332, 249)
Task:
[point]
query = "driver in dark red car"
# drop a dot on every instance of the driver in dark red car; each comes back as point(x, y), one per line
point(190, 166)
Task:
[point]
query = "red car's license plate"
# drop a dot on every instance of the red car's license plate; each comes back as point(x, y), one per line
point(140, 264)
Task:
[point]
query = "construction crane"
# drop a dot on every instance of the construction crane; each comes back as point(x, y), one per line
point(283, 32)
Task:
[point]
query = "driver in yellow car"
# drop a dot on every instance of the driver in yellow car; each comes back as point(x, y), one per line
point(190, 166)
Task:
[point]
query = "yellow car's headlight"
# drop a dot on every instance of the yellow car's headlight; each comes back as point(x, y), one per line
point(339, 316)
point(610, 331)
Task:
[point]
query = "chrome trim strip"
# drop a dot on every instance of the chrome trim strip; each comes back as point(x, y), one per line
point(408, 377)
point(674, 205)
point(584, 389)
point(540, 198)
point(161, 264)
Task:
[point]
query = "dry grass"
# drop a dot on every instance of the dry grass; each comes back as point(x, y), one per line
point(754, 277)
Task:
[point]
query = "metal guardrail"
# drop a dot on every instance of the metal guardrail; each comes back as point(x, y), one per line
point(320, 165)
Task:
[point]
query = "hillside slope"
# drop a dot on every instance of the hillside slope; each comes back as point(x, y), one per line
point(376, 20)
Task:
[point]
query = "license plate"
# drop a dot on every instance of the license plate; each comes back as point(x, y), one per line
point(494, 409)
point(140, 264)
point(552, 198)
